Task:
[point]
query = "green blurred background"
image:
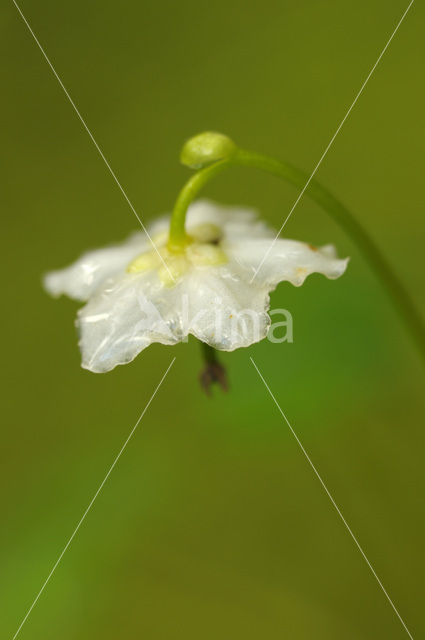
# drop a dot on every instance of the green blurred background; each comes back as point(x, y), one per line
point(212, 525)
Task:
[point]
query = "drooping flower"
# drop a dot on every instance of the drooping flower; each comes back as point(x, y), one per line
point(137, 295)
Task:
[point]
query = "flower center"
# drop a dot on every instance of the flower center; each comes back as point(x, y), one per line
point(202, 250)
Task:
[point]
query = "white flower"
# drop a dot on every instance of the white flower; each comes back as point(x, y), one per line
point(135, 299)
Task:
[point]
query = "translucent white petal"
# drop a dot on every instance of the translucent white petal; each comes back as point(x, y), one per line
point(225, 311)
point(81, 279)
point(123, 318)
point(235, 222)
point(215, 304)
point(286, 260)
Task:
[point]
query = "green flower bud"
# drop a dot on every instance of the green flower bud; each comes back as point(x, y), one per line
point(206, 148)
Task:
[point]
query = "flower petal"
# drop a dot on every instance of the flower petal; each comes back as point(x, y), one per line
point(234, 221)
point(81, 279)
point(125, 317)
point(215, 304)
point(285, 260)
point(224, 309)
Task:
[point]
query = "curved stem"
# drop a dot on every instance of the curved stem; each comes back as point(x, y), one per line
point(193, 186)
point(396, 290)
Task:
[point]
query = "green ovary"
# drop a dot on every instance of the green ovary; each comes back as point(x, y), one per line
point(202, 250)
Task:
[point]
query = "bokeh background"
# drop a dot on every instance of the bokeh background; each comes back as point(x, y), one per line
point(212, 525)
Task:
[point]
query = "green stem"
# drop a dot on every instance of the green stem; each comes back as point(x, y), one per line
point(193, 186)
point(398, 294)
